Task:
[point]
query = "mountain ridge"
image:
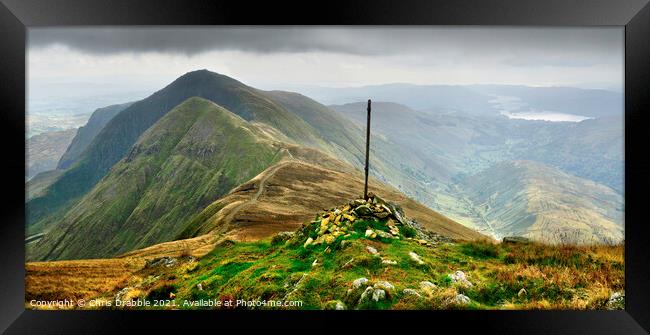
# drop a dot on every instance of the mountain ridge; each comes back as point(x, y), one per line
point(145, 197)
point(85, 135)
point(113, 141)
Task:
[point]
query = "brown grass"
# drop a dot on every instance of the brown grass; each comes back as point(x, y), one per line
point(81, 279)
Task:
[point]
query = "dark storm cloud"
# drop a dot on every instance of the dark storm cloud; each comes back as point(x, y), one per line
point(520, 44)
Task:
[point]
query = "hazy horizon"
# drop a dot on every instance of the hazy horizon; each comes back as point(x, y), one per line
point(147, 58)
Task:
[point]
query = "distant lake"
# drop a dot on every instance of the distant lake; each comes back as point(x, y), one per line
point(515, 108)
point(544, 116)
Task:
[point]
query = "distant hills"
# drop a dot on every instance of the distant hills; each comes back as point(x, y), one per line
point(44, 150)
point(525, 198)
point(467, 144)
point(477, 99)
point(477, 147)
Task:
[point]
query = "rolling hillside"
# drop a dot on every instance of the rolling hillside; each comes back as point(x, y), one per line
point(524, 198)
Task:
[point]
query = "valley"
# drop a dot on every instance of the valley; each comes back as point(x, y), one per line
point(560, 156)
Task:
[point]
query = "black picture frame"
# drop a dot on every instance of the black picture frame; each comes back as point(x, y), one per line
point(18, 15)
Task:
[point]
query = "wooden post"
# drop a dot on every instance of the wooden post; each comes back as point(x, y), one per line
point(365, 188)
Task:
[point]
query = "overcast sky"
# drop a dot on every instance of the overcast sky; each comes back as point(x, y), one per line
point(121, 59)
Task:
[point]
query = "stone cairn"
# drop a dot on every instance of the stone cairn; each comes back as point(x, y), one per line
point(339, 221)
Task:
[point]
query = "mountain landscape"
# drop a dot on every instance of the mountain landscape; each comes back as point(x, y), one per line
point(209, 187)
point(580, 160)
point(120, 133)
point(283, 116)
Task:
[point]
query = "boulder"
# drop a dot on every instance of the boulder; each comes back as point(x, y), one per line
point(461, 299)
point(382, 215)
point(427, 285)
point(378, 295)
point(363, 210)
point(384, 285)
point(416, 258)
point(386, 208)
point(383, 234)
point(337, 305)
point(459, 278)
point(522, 293)
point(358, 202)
point(372, 250)
point(330, 238)
point(369, 232)
point(367, 293)
point(357, 283)
point(411, 292)
point(388, 262)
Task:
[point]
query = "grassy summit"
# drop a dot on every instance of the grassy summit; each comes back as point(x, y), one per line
point(351, 258)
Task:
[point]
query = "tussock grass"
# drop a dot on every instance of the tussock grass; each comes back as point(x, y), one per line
point(552, 277)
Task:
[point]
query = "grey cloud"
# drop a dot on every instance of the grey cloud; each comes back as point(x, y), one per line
point(596, 43)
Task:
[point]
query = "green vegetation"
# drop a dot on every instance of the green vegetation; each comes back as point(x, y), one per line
point(513, 276)
point(118, 136)
point(191, 157)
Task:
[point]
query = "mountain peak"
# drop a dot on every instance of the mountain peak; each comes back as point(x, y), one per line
point(205, 74)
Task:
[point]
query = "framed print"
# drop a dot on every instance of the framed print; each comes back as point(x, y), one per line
point(377, 164)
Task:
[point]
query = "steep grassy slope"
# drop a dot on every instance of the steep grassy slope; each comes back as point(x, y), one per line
point(36, 186)
point(87, 133)
point(537, 201)
point(287, 194)
point(591, 149)
point(192, 156)
point(119, 134)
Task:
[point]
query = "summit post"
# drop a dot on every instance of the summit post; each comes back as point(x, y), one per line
point(365, 187)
